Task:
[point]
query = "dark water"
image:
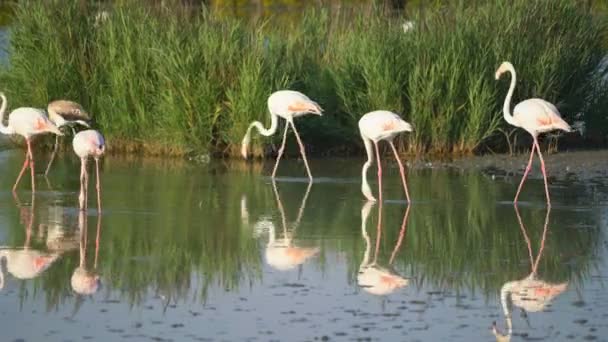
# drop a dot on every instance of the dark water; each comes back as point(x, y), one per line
point(210, 252)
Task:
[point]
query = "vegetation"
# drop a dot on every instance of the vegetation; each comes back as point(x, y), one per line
point(185, 80)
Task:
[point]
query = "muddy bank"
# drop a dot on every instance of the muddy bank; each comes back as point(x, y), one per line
point(580, 165)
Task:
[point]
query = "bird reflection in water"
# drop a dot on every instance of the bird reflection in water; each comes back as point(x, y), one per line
point(372, 277)
point(281, 253)
point(531, 294)
point(85, 281)
point(25, 262)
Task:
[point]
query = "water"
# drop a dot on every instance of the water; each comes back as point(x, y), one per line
point(189, 252)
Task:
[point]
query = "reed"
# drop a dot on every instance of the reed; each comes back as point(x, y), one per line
point(167, 79)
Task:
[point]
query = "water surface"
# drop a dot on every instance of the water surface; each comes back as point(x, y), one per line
point(218, 252)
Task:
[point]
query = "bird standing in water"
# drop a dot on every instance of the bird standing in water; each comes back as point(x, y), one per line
point(376, 126)
point(65, 113)
point(287, 104)
point(27, 122)
point(88, 143)
point(536, 116)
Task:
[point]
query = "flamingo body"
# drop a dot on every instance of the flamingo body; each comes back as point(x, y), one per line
point(536, 116)
point(374, 127)
point(26, 122)
point(287, 104)
point(89, 143)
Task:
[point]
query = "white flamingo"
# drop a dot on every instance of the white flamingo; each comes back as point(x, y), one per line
point(287, 104)
point(374, 127)
point(536, 116)
point(89, 143)
point(26, 122)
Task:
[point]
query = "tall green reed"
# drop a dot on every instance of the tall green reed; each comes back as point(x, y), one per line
point(185, 80)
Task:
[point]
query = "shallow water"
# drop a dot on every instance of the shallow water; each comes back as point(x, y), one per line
point(212, 252)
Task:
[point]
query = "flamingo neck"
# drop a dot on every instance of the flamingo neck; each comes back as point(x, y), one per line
point(274, 123)
point(365, 189)
point(506, 109)
point(4, 129)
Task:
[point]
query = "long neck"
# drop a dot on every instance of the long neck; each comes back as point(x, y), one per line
point(506, 108)
point(367, 192)
point(274, 123)
point(368, 245)
point(4, 129)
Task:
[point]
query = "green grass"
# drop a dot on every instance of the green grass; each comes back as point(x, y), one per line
point(166, 79)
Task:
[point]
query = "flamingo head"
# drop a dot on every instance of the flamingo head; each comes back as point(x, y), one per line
point(504, 67)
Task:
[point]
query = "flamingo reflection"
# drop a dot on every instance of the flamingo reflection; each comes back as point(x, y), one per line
point(531, 294)
point(85, 281)
point(372, 277)
point(25, 262)
point(281, 253)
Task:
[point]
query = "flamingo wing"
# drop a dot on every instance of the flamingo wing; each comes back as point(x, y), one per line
point(538, 115)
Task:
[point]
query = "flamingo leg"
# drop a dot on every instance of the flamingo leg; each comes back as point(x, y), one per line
point(281, 150)
point(402, 171)
point(302, 151)
point(528, 168)
point(542, 167)
point(83, 180)
point(379, 172)
point(55, 149)
point(98, 185)
point(25, 165)
point(29, 150)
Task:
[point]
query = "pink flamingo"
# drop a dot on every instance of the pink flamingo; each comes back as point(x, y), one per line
point(376, 126)
point(88, 143)
point(287, 104)
point(536, 116)
point(26, 122)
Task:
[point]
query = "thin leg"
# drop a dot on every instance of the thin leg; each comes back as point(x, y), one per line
point(281, 150)
point(97, 239)
point(542, 167)
point(302, 151)
point(379, 172)
point(98, 186)
point(402, 171)
point(82, 197)
point(521, 184)
point(25, 165)
point(29, 150)
point(48, 167)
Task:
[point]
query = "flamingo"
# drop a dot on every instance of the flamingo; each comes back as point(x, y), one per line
point(287, 104)
point(27, 122)
point(536, 116)
point(376, 126)
point(373, 278)
point(65, 113)
point(281, 253)
point(531, 293)
point(88, 143)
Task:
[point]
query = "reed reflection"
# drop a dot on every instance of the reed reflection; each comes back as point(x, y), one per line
point(25, 262)
point(372, 277)
point(281, 252)
point(85, 280)
point(530, 294)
